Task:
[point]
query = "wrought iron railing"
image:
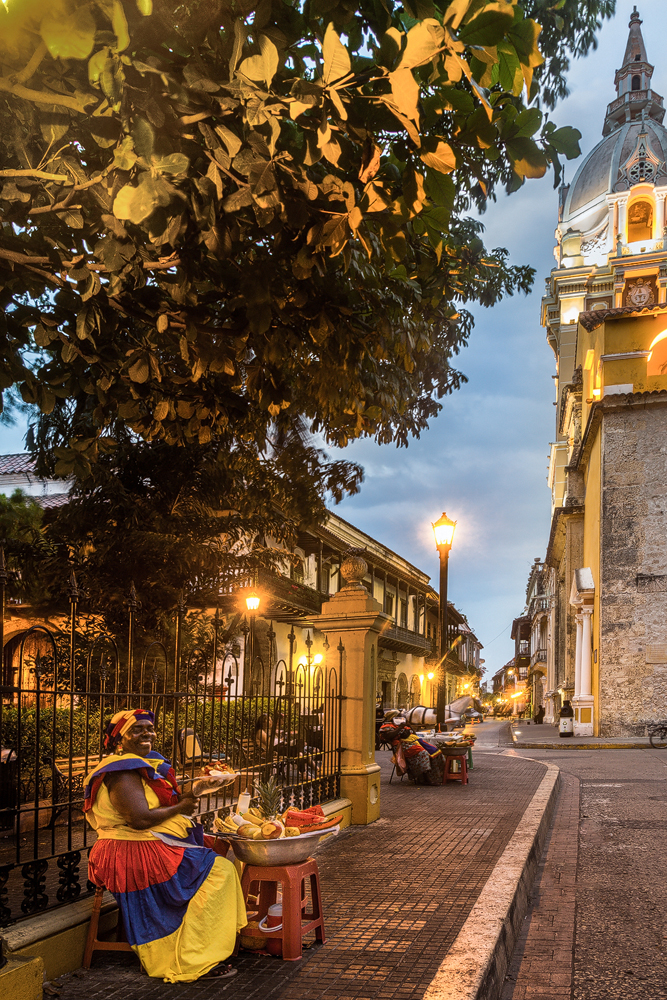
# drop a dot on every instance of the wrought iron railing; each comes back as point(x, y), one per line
point(539, 656)
point(281, 718)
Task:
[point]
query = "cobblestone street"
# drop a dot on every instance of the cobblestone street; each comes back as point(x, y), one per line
point(395, 895)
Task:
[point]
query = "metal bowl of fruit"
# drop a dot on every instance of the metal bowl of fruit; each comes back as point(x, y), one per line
point(285, 851)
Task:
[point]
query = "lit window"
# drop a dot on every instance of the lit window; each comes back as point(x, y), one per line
point(640, 221)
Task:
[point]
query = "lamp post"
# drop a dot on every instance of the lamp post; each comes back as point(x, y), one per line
point(252, 602)
point(512, 673)
point(443, 529)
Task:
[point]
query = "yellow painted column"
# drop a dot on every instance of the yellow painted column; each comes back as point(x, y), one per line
point(356, 619)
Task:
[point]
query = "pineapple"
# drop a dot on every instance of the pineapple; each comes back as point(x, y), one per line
point(269, 802)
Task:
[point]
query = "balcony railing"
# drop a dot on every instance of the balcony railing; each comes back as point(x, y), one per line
point(403, 640)
point(539, 656)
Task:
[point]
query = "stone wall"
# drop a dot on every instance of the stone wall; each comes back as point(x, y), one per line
point(633, 625)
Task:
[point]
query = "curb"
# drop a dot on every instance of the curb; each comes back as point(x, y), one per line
point(476, 964)
point(571, 744)
point(565, 745)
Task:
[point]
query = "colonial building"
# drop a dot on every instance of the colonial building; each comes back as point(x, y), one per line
point(285, 625)
point(605, 313)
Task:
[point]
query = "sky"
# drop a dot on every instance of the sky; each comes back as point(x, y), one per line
point(484, 459)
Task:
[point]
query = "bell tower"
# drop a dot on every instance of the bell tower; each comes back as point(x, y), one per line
point(605, 313)
point(634, 96)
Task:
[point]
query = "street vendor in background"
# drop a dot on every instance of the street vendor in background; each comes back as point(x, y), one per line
point(181, 903)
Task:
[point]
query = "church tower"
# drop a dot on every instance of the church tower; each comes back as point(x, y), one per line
point(605, 313)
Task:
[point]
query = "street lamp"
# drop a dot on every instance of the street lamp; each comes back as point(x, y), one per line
point(252, 602)
point(443, 529)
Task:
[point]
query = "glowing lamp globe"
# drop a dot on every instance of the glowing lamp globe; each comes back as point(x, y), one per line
point(252, 601)
point(443, 529)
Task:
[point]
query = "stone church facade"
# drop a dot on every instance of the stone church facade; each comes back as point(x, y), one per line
point(605, 313)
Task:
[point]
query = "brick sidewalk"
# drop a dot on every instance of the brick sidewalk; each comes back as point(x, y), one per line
point(395, 895)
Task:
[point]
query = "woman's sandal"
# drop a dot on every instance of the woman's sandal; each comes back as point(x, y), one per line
point(221, 972)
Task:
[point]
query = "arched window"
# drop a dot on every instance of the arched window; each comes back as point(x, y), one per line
point(640, 221)
point(636, 83)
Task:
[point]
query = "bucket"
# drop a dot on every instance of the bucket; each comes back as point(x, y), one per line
point(273, 921)
point(566, 727)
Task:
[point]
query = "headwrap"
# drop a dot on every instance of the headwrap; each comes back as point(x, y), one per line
point(122, 722)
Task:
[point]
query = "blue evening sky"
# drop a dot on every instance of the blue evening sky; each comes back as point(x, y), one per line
point(484, 459)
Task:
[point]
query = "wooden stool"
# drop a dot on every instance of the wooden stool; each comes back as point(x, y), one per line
point(296, 922)
point(93, 943)
point(461, 775)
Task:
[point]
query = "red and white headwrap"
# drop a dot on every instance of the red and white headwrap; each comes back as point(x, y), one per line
point(122, 722)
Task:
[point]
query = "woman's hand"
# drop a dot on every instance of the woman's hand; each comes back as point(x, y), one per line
point(187, 803)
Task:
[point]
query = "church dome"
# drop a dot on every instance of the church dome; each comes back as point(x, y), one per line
point(611, 167)
point(631, 157)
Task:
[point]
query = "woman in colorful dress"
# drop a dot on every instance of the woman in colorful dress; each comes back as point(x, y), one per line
point(181, 903)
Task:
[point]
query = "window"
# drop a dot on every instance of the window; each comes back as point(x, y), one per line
point(640, 221)
point(636, 83)
point(389, 604)
point(325, 580)
point(403, 614)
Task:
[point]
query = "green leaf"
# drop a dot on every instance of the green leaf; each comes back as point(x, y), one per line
point(528, 159)
point(144, 137)
point(69, 37)
point(423, 42)
point(262, 67)
point(105, 131)
point(566, 141)
point(137, 203)
point(175, 163)
point(488, 28)
point(336, 57)
point(124, 157)
point(441, 158)
point(54, 125)
point(527, 123)
point(119, 24)
point(140, 370)
point(440, 189)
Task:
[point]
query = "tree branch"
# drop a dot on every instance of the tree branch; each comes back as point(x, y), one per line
point(23, 258)
point(42, 96)
point(31, 66)
point(41, 175)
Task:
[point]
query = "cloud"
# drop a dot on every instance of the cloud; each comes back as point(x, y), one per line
point(484, 459)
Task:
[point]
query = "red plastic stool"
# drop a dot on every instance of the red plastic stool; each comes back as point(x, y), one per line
point(296, 922)
point(461, 775)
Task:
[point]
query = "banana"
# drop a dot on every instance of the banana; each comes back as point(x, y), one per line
point(249, 817)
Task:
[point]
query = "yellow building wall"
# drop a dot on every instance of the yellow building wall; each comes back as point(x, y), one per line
point(621, 336)
point(591, 555)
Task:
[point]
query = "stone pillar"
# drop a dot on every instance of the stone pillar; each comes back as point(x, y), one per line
point(550, 716)
point(622, 218)
point(659, 215)
point(577, 657)
point(584, 701)
point(354, 617)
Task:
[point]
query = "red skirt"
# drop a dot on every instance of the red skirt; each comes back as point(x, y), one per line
point(128, 865)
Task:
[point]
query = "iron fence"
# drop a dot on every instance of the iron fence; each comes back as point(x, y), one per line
point(211, 703)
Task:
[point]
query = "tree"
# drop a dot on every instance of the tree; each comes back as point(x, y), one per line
point(224, 223)
point(25, 544)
